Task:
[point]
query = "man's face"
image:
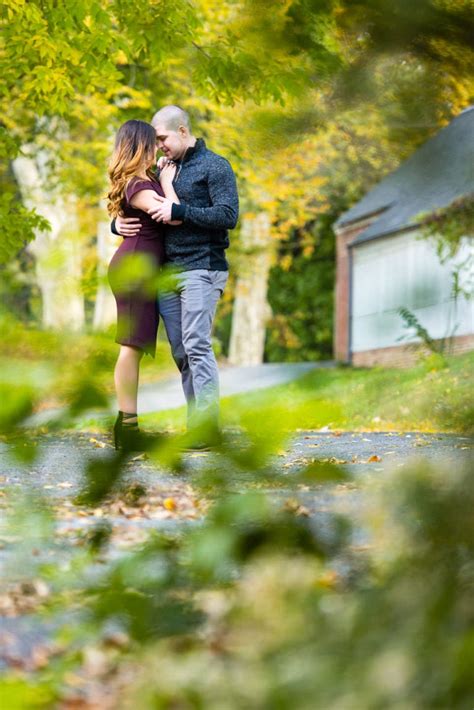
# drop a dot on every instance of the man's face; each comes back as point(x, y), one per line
point(172, 144)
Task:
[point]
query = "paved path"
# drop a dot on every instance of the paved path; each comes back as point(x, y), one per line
point(233, 380)
point(58, 469)
point(57, 476)
point(168, 394)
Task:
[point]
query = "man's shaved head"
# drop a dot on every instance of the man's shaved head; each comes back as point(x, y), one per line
point(172, 117)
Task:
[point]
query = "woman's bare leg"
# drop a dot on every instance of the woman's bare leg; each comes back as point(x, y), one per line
point(126, 376)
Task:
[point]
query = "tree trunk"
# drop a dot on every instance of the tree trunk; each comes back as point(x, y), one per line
point(58, 252)
point(105, 311)
point(251, 310)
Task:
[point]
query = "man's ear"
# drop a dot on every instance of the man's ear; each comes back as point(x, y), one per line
point(183, 131)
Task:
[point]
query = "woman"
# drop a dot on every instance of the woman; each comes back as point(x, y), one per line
point(134, 267)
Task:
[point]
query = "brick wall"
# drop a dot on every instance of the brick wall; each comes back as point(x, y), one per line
point(344, 236)
point(406, 355)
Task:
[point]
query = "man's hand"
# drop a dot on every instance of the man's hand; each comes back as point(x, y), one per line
point(127, 226)
point(162, 212)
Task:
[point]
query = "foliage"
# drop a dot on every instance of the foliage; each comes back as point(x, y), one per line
point(301, 633)
point(255, 606)
point(414, 326)
point(64, 84)
point(301, 297)
point(449, 225)
point(304, 181)
point(255, 590)
point(288, 603)
point(22, 224)
point(294, 74)
point(55, 365)
point(17, 404)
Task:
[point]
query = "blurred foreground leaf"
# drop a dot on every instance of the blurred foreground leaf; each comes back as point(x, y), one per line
point(17, 404)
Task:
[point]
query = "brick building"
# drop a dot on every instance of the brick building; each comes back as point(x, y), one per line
point(385, 263)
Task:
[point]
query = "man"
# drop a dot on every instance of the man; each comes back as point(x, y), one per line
point(206, 187)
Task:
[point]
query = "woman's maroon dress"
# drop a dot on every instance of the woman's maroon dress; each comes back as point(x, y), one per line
point(136, 294)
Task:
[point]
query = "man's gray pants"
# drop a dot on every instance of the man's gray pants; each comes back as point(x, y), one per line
point(188, 312)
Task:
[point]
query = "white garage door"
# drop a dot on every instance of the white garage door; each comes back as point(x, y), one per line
point(405, 271)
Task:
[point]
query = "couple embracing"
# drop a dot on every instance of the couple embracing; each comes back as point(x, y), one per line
point(175, 216)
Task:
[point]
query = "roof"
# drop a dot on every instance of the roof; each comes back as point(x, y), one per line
point(439, 172)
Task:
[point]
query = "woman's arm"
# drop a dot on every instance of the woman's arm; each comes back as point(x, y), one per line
point(147, 200)
point(144, 200)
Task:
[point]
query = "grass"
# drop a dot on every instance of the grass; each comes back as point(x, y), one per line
point(428, 397)
point(433, 396)
point(47, 361)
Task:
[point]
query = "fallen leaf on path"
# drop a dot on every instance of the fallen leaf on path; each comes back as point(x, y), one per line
point(140, 457)
point(293, 505)
point(98, 444)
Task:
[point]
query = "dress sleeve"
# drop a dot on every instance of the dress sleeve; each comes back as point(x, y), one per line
point(135, 186)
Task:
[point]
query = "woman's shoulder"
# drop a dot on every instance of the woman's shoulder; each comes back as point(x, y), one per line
point(136, 184)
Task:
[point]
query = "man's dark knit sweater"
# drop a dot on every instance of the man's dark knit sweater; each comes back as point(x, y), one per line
point(206, 187)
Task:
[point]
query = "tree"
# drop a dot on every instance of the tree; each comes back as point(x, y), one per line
point(71, 72)
point(68, 67)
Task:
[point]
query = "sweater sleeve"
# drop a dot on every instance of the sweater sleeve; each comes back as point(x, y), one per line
point(224, 210)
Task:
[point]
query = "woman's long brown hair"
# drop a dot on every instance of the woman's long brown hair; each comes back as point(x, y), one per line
point(134, 143)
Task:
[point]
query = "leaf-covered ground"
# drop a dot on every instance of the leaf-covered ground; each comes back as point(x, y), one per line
point(54, 545)
point(92, 559)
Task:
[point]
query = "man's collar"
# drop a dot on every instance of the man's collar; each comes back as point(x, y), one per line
point(199, 145)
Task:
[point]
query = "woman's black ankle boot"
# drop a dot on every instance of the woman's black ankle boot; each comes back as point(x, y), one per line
point(127, 435)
